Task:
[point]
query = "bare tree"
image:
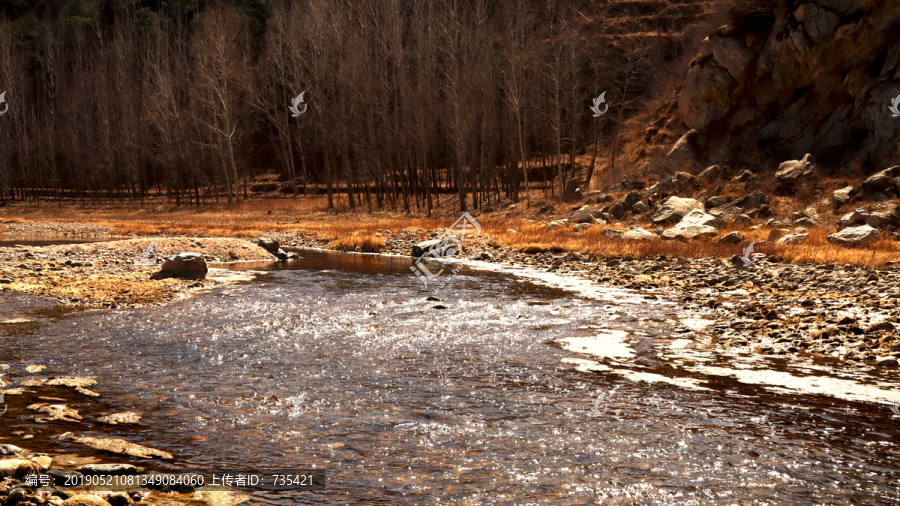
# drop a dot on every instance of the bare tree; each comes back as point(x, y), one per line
point(219, 62)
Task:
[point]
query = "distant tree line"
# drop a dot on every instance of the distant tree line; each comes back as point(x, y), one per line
point(407, 100)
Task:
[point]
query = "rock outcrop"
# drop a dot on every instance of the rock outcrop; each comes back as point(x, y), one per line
point(791, 77)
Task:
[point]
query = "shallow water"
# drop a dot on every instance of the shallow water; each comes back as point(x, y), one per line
point(510, 389)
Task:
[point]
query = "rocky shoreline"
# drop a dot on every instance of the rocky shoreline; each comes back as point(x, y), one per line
point(845, 312)
point(768, 306)
point(51, 453)
point(114, 274)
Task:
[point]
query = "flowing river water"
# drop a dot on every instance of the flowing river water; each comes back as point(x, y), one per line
point(515, 387)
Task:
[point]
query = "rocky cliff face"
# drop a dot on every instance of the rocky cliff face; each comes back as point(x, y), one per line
point(790, 77)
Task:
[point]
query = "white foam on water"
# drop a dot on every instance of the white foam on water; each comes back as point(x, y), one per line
point(584, 365)
point(609, 344)
point(785, 382)
point(571, 283)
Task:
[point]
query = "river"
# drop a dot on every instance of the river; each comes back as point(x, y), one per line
point(506, 387)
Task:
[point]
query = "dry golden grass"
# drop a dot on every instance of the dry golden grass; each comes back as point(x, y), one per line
point(248, 219)
point(358, 231)
point(363, 242)
point(534, 238)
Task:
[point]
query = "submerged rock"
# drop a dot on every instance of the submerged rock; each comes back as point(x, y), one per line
point(120, 418)
point(108, 469)
point(119, 446)
point(59, 412)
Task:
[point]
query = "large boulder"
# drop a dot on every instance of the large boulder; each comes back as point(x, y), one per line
point(698, 217)
point(630, 200)
point(581, 227)
point(880, 181)
point(842, 196)
point(553, 225)
point(691, 232)
point(710, 174)
point(696, 224)
point(677, 183)
point(584, 215)
point(858, 236)
point(819, 22)
point(796, 173)
point(857, 217)
point(185, 265)
point(639, 234)
point(267, 243)
point(434, 248)
point(626, 184)
point(792, 240)
point(674, 209)
point(272, 246)
point(740, 206)
point(731, 238)
point(777, 233)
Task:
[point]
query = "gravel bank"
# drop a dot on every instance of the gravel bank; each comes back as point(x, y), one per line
point(771, 307)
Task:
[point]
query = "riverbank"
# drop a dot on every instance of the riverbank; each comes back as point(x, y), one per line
point(67, 435)
point(770, 306)
point(113, 274)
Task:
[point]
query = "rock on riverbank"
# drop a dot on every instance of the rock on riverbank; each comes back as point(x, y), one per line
point(114, 273)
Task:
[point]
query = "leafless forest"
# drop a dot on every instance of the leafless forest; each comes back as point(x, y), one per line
point(408, 101)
